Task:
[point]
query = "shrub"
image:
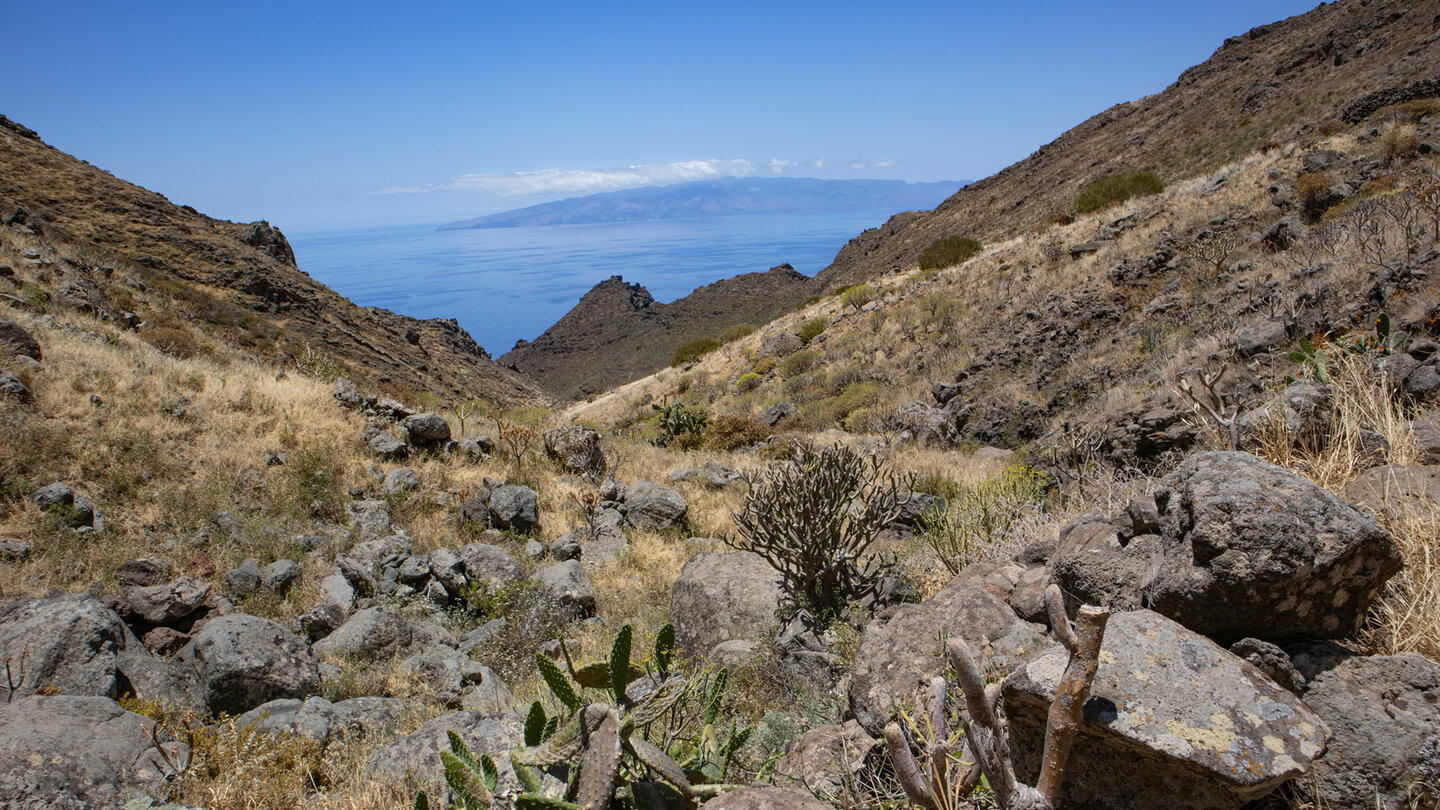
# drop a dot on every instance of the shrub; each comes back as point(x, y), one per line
point(1313, 189)
point(732, 431)
point(1117, 188)
point(1397, 144)
point(980, 515)
point(693, 350)
point(797, 363)
point(948, 252)
point(737, 331)
point(765, 365)
point(812, 328)
point(857, 296)
point(814, 515)
point(748, 382)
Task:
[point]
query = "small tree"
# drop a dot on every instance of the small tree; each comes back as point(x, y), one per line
point(857, 296)
point(813, 516)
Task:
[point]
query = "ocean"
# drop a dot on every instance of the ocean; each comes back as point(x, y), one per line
point(504, 284)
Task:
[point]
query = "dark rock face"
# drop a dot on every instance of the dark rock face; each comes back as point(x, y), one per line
point(722, 597)
point(243, 661)
point(577, 449)
point(1384, 711)
point(514, 507)
point(1244, 549)
point(16, 342)
point(1173, 720)
point(269, 239)
point(77, 753)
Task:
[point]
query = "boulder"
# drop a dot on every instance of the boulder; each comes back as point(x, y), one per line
point(384, 445)
point(1173, 720)
point(1302, 413)
point(142, 572)
point(825, 759)
point(900, 651)
point(61, 498)
point(765, 798)
point(722, 597)
point(11, 387)
point(166, 604)
point(243, 661)
point(651, 506)
point(1244, 549)
point(16, 342)
point(489, 564)
point(370, 518)
point(316, 718)
point(1396, 487)
point(777, 413)
point(514, 507)
point(373, 633)
point(711, 474)
point(427, 429)
point(401, 479)
point(477, 448)
point(1384, 711)
point(491, 695)
point(244, 579)
point(568, 583)
point(781, 344)
point(280, 576)
point(576, 449)
point(76, 753)
point(1260, 336)
point(413, 761)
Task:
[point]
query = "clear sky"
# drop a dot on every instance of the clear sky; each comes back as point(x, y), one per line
point(333, 114)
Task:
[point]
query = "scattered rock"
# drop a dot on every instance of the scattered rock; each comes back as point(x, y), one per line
point(372, 633)
point(402, 479)
point(577, 449)
point(16, 342)
point(427, 429)
point(12, 388)
point(825, 759)
point(774, 414)
point(570, 585)
point(245, 579)
point(279, 576)
point(651, 506)
point(1259, 336)
point(514, 507)
point(490, 565)
point(316, 718)
point(1173, 720)
point(410, 762)
point(370, 518)
point(243, 661)
point(765, 798)
point(166, 604)
point(781, 345)
point(73, 645)
point(722, 597)
point(142, 572)
point(386, 446)
point(62, 499)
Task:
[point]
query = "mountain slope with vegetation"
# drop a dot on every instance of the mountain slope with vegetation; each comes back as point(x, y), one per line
point(130, 254)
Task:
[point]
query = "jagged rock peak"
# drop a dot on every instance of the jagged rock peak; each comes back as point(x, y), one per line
point(614, 293)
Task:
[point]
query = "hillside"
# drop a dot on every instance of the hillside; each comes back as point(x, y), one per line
point(1273, 83)
point(129, 254)
point(748, 195)
point(618, 332)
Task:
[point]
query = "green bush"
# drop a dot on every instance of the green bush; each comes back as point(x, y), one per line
point(737, 331)
point(977, 515)
point(732, 432)
point(857, 295)
point(948, 252)
point(812, 328)
point(765, 365)
point(1117, 188)
point(798, 363)
point(693, 350)
point(748, 382)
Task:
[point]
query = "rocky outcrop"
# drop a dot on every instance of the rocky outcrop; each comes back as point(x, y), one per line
point(244, 661)
point(722, 597)
point(316, 718)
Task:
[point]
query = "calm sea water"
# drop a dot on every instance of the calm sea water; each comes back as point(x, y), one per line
point(508, 283)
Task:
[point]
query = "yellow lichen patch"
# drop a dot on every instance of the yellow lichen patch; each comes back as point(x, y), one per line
point(1274, 744)
point(1215, 738)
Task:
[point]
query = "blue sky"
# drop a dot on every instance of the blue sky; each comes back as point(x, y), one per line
point(334, 114)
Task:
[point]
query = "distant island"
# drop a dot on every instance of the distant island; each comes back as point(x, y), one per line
point(740, 195)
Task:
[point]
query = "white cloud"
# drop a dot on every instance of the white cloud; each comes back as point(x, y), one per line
point(587, 181)
point(779, 166)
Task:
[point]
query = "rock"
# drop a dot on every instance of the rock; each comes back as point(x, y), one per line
point(825, 759)
point(357, 573)
point(1280, 236)
point(722, 597)
point(1396, 488)
point(1259, 336)
point(142, 572)
point(321, 621)
point(514, 507)
point(651, 506)
point(1318, 160)
point(1427, 437)
point(1245, 549)
point(427, 429)
point(734, 654)
point(12, 388)
point(386, 446)
point(711, 474)
point(444, 668)
point(14, 549)
point(607, 542)
point(765, 798)
point(16, 342)
point(1384, 711)
point(570, 586)
point(914, 510)
point(1302, 412)
point(490, 565)
point(1027, 598)
point(61, 498)
point(1173, 720)
point(70, 752)
point(280, 576)
point(373, 633)
point(245, 579)
point(347, 395)
point(1271, 660)
point(448, 568)
point(1001, 454)
point(402, 479)
point(776, 413)
point(370, 518)
point(1424, 382)
point(490, 695)
point(166, 604)
point(243, 661)
point(1084, 248)
point(576, 449)
point(412, 761)
point(781, 345)
point(900, 651)
point(316, 718)
point(937, 427)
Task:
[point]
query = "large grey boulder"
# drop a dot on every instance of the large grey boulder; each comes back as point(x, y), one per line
point(1173, 720)
point(901, 650)
point(576, 449)
point(489, 564)
point(371, 518)
point(75, 753)
point(1245, 549)
point(167, 604)
point(412, 762)
point(1396, 487)
point(723, 597)
point(243, 661)
point(568, 583)
point(514, 507)
point(1385, 713)
point(825, 759)
point(427, 429)
point(651, 506)
point(372, 633)
point(316, 718)
point(765, 798)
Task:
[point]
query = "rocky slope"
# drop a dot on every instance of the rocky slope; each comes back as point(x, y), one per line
point(122, 251)
point(1275, 82)
point(618, 332)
